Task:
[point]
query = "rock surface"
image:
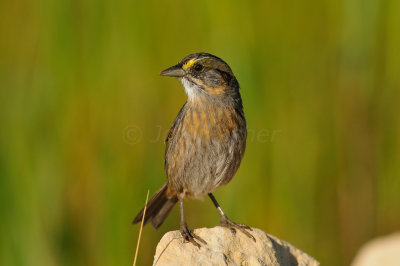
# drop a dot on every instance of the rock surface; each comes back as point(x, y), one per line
point(225, 248)
point(379, 251)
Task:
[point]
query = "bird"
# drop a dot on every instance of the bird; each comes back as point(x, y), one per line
point(206, 142)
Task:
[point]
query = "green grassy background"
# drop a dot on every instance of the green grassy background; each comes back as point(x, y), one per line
point(83, 116)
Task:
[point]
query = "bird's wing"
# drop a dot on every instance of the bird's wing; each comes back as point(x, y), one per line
point(169, 135)
point(171, 131)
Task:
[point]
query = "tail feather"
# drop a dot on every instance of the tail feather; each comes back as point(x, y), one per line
point(158, 208)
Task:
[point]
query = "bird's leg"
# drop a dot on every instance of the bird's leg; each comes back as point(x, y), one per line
point(225, 222)
point(187, 234)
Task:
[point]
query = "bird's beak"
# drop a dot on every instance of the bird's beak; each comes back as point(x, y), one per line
point(174, 71)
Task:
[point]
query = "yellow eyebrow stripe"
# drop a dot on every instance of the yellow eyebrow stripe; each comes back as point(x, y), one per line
point(189, 63)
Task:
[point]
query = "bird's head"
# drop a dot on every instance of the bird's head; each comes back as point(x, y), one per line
point(203, 74)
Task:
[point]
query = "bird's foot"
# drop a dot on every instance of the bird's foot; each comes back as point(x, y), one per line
point(190, 236)
point(225, 222)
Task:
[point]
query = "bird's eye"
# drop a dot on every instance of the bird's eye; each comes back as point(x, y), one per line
point(198, 67)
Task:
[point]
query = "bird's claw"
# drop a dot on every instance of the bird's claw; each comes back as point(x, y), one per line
point(225, 222)
point(190, 236)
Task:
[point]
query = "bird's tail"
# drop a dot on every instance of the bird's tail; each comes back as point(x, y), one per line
point(158, 208)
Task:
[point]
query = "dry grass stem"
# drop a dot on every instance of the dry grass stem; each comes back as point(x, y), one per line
point(141, 227)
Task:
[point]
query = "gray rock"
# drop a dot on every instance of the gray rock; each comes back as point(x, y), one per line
point(225, 248)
